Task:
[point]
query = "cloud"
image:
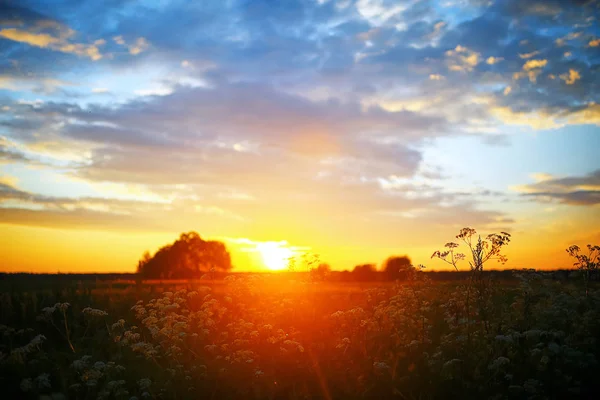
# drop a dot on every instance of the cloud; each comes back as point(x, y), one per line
point(462, 59)
point(8, 153)
point(33, 39)
point(317, 101)
point(533, 64)
point(576, 191)
point(21, 207)
point(253, 112)
point(589, 114)
point(57, 43)
point(529, 55)
point(572, 77)
point(535, 120)
point(32, 83)
point(134, 47)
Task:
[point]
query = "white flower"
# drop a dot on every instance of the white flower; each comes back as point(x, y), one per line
point(498, 363)
point(26, 385)
point(48, 310)
point(99, 365)
point(43, 381)
point(380, 365)
point(503, 338)
point(144, 383)
point(94, 312)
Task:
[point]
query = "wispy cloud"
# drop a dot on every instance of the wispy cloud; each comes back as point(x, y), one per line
point(575, 190)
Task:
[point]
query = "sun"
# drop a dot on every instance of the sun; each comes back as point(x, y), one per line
point(275, 255)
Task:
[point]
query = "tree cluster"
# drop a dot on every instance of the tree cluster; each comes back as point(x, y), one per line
point(190, 256)
point(395, 268)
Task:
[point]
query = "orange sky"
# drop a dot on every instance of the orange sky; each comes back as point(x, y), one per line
point(37, 249)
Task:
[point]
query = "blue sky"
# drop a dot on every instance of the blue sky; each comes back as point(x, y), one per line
point(322, 123)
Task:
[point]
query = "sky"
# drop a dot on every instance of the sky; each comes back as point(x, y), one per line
point(354, 130)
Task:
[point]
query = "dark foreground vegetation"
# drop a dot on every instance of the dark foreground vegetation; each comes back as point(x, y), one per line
point(523, 335)
point(22, 281)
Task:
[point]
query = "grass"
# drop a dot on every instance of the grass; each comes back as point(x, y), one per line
point(282, 336)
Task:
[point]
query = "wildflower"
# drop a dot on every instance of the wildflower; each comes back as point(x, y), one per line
point(553, 347)
point(211, 348)
point(144, 383)
point(93, 312)
point(503, 338)
point(531, 385)
point(48, 310)
point(43, 381)
point(344, 343)
point(450, 368)
point(119, 324)
point(82, 363)
point(99, 365)
point(26, 385)
point(380, 366)
point(498, 363)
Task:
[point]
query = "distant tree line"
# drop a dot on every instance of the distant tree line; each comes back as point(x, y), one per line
point(190, 256)
point(15, 279)
point(368, 273)
point(394, 268)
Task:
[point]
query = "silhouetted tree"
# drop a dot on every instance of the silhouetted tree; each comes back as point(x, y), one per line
point(189, 256)
point(344, 276)
point(320, 273)
point(146, 257)
point(364, 273)
point(398, 268)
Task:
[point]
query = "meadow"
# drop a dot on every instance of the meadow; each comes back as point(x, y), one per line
point(303, 336)
point(271, 337)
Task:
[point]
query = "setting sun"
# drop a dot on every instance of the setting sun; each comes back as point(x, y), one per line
point(275, 255)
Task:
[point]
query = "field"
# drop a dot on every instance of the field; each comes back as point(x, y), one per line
point(285, 336)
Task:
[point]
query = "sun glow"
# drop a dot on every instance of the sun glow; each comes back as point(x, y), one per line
point(275, 255)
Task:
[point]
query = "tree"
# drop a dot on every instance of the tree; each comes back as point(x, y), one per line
point(398, 268)
point(364, 273)
point(320, 273)
point(146, 257)
point(189, 256)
